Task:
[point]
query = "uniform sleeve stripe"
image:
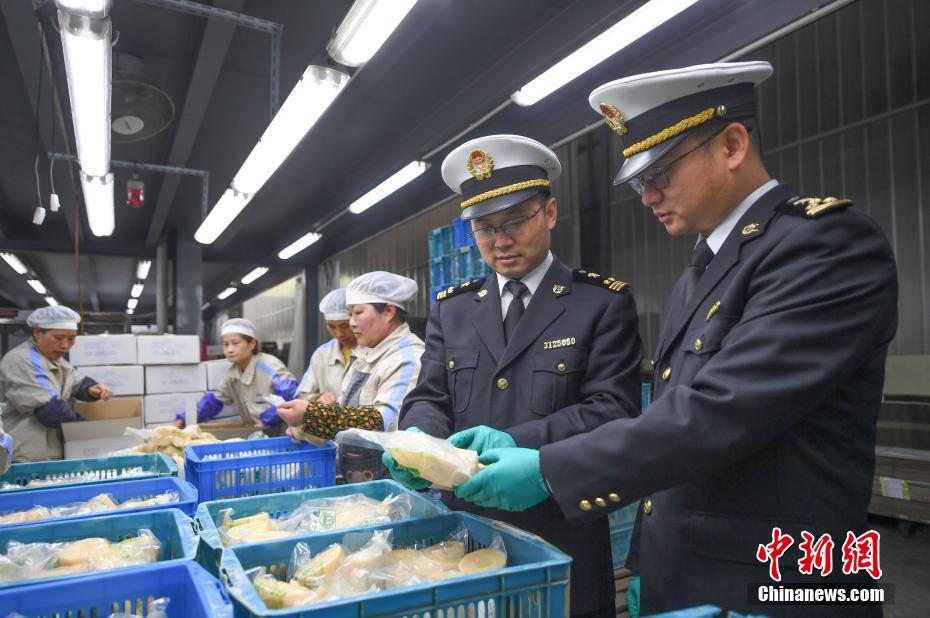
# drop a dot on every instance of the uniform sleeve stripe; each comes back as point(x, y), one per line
point(408, 373)
point(36, 361)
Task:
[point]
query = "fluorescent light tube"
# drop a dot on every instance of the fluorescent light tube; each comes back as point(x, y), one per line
point(635, 25)
point(93, 8)
point(98, 197)
point(388, 187)
point(15, 263)
point(317, 88)
point(365, 28)
point(227, 209)
point(130, 311)
point(226, 293)
point(299, 245)
point(51, 301)
point(142, 270)
point(132, 303)
point(253, 275)
point(86, 44)
point(136, 291)
point(36, 285)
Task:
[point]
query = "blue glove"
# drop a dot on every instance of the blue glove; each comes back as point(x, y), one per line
point(181, 416)
point(56, 412)
point(208, 407)
point(632, 597)
point(270, 417)
point(512, 481)
point(403, 475)
point(285, 388)
point(482, 438)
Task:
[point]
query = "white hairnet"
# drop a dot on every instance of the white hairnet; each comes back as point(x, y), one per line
point(239, 325)
point(54, 317)
point(333, 305)
point(380, 287)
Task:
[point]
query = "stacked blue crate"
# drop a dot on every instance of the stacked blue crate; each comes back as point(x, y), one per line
point(453, 257)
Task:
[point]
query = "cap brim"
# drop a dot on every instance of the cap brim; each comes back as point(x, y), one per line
point(642, 161)
point(499, 203)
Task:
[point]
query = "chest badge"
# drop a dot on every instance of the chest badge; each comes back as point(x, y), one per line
point(558, 289)
point(752, 228)
point(558, 343)
point(713, 311)
point(482, 293)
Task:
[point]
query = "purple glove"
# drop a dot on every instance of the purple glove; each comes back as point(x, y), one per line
point(270, 417)
point(56, 412)
point(181, 416)
point(285, 388)
point(208, 407)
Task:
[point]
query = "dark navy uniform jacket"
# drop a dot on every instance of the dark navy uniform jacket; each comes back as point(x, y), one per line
point(571, 365)
point(768, 385)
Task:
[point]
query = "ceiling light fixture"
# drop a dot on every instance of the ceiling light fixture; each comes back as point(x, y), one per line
point(15, 263)
point(365, 28)
point(299, 245)
point(132, 303)
point(389, 186)
point(226, 293)
point(98, 197)
point(142, 270)
point(254, 274)
point(51, 301)
point(36, 285)
point(316, 90)
point(130, 311)
point(136, 291)
point(632, 27)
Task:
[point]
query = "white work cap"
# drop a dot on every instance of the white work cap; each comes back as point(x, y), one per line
point(333, 305)
point(499, 171)
point(380, 287)
point(239, 325)
point(57, 317)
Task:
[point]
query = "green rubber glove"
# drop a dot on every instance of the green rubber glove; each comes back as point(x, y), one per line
point(632, 597)
point(402, 475)
point(482, 438)
point(512, 480)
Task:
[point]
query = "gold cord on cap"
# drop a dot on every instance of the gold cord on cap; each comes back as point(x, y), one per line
point(526, 184)
point(677, 129)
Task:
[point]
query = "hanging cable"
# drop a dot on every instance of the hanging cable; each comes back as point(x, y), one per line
point(39, 215)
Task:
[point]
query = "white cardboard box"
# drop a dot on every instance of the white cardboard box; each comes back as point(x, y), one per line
point(161, 409)
point(103, 350)
point(122, 379)
point(216, 372)
point(168, 349)
point(94, 438)
point(175, 379)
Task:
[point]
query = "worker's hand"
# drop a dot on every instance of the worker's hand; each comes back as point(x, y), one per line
point(404, 476)
point(284, 387)
point(208, 407)
point(270, 417)
point(293, 411)
point(327, 397)
point(512, 480)
point(482, 438)
point(100, 391)
point(180, 420)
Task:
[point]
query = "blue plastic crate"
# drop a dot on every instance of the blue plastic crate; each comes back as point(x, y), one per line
point(435, 271)
point(647, 395)
point(211, 547)
point(255, 467)
point(534, 584)
point(174, 530)
point(478, 266)
point(194, 593)
point(703, 611)
point(621, 532)
point(446, 238)
point(461, 265)
point(434, 238)
point(121, 492)
point(69, 471)
point(461, 233)
point(447, 274)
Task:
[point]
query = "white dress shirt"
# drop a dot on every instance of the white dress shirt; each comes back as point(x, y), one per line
point(531, 280)
point(720, 233)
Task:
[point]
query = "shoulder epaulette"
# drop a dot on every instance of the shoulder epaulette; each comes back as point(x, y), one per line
point(614, 285)
point(451, 291)
point(813, 207)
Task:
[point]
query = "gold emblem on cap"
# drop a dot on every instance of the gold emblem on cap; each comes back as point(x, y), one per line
point(558, 289)
point(613, 118)
point(752, 228)
point(480, 164)
point(482, 293)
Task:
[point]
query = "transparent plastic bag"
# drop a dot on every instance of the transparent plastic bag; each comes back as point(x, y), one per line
point(276, 594)
point(433, 459)
point(326, 514)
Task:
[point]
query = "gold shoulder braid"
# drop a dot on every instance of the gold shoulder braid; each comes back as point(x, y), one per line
point(612, 284)
point(814, 207)
point(451, 291)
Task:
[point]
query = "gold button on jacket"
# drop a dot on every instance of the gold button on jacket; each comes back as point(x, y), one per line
point(647, 506)
point(600, 502)
point(613, 497)
point(667, 373)
point(561, 367)
point(698, 345)
point(502, 383)
point(451, 364)
point(584, 505)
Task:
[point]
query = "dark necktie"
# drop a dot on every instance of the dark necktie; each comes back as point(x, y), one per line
point(699, 260)
point(515, 310)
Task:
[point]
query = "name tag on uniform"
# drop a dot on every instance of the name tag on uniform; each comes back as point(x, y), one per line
point(558, 343)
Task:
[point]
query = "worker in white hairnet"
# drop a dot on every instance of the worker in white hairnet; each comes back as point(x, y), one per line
point(38, 386)
point(253, 375)
point(330, 362)
point(386, 368)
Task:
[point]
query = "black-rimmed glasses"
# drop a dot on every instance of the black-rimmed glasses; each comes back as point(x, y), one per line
point(511, 227)
point(657, 178)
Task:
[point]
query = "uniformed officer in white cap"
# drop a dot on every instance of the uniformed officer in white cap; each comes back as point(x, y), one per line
point(329, 363)
point(386, 368)
point(536, 350)
point(253, 375)
point(38, 386)
point(769, 367)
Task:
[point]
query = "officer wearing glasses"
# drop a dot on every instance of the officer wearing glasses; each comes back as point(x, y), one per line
point(769, 367)
point(536, 350)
